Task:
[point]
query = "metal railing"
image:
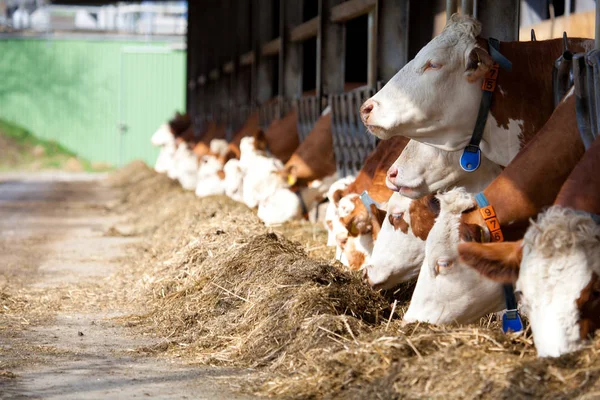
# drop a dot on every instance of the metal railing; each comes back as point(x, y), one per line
point(352, 142)
point(309, 111)
point(273, 110)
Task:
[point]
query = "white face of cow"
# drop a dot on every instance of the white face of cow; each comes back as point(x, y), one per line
point(281, 206)
point(162, 136)
point(218, 146)
point(448, 291)
point(234, 178)
point(187, 167)
point(209, 183)
point(559, 273)
point(164, 161)
point(422, 169)
point(260, 179)
point(435, 97)
point(398, 253)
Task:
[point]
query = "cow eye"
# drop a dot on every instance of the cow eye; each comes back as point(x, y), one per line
point(395, 217)
point(433, 65)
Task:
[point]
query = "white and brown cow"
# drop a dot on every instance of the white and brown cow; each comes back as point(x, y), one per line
point(435, 97)
point(400, 247)
point(556, 267)
point(527, 185)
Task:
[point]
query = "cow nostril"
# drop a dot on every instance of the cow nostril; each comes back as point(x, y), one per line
point(367, 107)
point(393, 172)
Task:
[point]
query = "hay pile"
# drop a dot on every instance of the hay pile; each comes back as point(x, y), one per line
point(222, 289)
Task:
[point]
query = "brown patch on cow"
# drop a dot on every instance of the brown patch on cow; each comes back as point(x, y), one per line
point(358, 222)
point(282, 136)
point(314, 158)
point(329, 224)
point(229, 155)
point(355, 258)
point(423, 213)
point(221, 174)
point(201, 149)
point(524, 89)
point(260, 141)
point(337, 196)
point(398, 222)
point(588, 304)
point(179, 124)
point(516, 194)
point(499, 262)
point(581, 191)
point(374, 171)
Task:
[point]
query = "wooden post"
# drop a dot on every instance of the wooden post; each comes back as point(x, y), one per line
point(393, 37)
point(499, 19)
point(264, 72)
point(241, 85)
point(290, 55)
point(331, 44)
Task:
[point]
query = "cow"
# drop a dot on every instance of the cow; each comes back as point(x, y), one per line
point(527, 185)
point(400, 247)
point(165, 138)
point(259, 169)
point(556, 267)
point(306, 176)
point(213, 131)
point(357, 240)
point(435, 97)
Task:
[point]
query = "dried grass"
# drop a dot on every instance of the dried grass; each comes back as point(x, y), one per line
point(222, 289)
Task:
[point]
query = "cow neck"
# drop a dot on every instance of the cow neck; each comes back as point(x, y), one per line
point(533, 179)
point(523, 97)
point(581, 191)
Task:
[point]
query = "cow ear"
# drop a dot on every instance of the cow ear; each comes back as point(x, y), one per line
point(479, 62)
point(499, 262)
point(377, 218)
point(471, 233)
point(260, 140)
point(337, 196)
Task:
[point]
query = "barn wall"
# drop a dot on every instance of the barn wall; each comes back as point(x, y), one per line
point(80, 91)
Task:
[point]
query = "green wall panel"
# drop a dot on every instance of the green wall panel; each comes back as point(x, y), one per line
point(78, 92)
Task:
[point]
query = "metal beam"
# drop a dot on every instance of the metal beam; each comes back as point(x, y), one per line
point(499, 19)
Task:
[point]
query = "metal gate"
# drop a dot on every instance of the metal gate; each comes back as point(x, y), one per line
point(273, 110)
point(309, 111)
point(586, 71)
point(352, 142)
point(146, 99)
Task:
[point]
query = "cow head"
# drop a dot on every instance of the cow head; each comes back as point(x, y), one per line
point(163, 136)
point(556, 269)
point(422, 169)
point(209, 180)
point(435, 97)
point(361, 226)
point(399, 250)
point(447, 290)
point(233, 180)
point(186, 166)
